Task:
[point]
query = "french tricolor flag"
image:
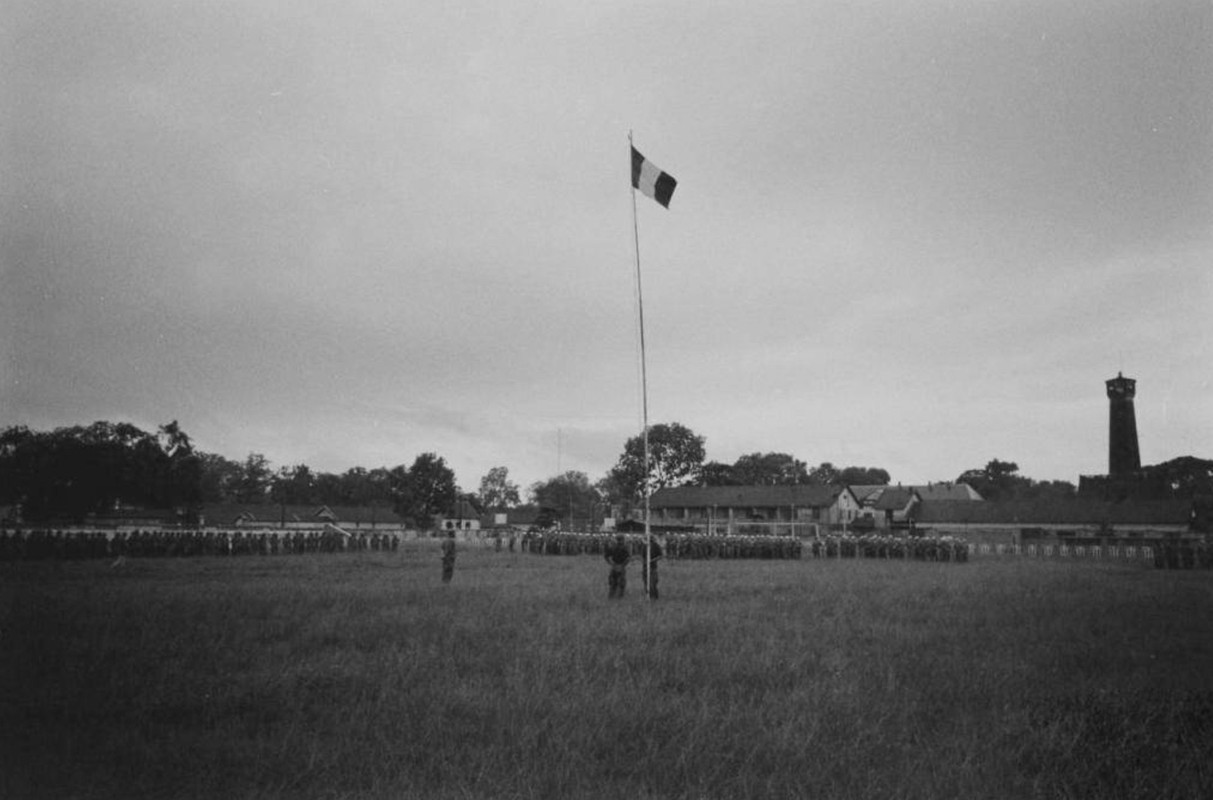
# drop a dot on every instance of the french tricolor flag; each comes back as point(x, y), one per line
point(650, 180)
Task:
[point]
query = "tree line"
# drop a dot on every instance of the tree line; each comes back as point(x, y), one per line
point(76, 471)
point(73, 472)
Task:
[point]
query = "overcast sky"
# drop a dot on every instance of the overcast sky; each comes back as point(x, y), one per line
point(915, 236)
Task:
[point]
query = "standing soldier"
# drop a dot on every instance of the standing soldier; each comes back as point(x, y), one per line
point(618, 556)
point(649, 567)
point(448, 557)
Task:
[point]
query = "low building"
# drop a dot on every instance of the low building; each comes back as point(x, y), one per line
point(951, 491)
point(885, 506)
point(1015, 521)
point(462, 516)
point(517, 519)
point(893, 507)
point(275, 515)
point(798, 509)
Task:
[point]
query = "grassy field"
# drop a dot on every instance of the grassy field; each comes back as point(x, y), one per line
point(361, 675)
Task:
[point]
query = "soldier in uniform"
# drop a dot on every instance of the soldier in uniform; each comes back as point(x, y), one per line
point(448, 557)
point(618, 556)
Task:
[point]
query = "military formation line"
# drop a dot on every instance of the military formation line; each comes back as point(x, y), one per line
point(70, 544)
point(905, 548)
point(33, 544)
point(676, 545)
point(703, 546)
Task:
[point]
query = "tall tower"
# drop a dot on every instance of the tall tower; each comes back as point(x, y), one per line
point(1123, 456)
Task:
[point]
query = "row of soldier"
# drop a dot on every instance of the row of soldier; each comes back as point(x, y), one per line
point(1183, 555)
point(72, 544)
point(922, 548)
point(77, 544)
point(676, 545)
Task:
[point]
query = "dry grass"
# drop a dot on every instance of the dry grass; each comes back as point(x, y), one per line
point(363, 676)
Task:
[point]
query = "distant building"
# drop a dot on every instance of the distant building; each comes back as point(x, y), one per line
point(754, 509)
point(518, 518)
point(884, 506)
point(1083, 517)
point(948, 491)
point(276, 515)
point(462, 516)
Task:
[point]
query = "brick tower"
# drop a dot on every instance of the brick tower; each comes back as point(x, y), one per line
point(1123, 456)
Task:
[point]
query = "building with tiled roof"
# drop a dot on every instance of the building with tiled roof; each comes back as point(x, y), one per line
point(274, 515)
point(951, 491)
point(868, 494)
point(1075, 515)
point(462, 516)
point(885, 506)
point(779, 509)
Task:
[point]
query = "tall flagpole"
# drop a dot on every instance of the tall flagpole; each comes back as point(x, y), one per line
point(644, 382)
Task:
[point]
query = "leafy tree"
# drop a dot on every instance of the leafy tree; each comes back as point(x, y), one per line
point(294, 486)
point(569, 497)
point(17, 463)
point(675, 458)
point(356, 486)
point(824, 474)
point(80, 470)
point(768, 469)
point(863, 476)
point(184, 484)
point(378, 487)
point(1049, 490)
point(1184, 477)
point(426, 490)
point(218, 478)
point(612, 494)
point(329, 489)
point(253, 480)
point(717, 473)
point(174, 441)
point(497, 490)
point(998, 480)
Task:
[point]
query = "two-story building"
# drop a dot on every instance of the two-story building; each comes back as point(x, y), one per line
point(795, 509)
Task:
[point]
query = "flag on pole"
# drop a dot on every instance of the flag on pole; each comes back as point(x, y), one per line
point(649, 179)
